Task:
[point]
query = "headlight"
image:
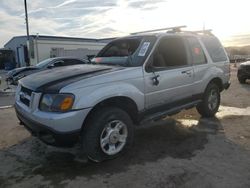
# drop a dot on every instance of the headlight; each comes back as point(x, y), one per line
point(56, 102)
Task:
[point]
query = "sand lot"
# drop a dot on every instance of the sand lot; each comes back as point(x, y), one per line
point(184, 150)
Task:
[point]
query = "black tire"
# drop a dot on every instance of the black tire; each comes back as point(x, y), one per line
point(96, 126)
point(204, 108)
point(242, 80)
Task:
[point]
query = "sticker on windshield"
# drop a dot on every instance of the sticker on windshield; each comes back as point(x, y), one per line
point(144, 49)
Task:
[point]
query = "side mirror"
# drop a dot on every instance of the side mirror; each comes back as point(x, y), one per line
point(56, 64)
point(51, 66)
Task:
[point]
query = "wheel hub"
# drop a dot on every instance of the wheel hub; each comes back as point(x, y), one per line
point(213, 100)
point(114, 137)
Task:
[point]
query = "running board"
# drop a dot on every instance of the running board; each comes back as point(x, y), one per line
point(169, 112)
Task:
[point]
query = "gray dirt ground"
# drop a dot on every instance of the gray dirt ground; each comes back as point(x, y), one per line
point(184, 150)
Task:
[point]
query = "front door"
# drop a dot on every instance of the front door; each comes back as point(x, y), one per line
point(168, 75)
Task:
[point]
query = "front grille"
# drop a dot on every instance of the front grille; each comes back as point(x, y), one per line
point(25, 101)
point(25, 96)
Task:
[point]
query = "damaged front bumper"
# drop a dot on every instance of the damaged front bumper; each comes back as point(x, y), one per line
point(52, 130)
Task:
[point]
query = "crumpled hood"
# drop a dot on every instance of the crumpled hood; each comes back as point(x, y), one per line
point(54, 79)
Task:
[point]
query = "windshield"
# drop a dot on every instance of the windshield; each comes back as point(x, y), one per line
point(131, 51)
point(43, 63)
point(120, 48)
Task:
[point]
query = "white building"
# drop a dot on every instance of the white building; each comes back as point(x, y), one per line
point(43, 47)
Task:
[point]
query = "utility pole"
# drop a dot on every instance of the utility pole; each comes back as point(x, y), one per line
point(37, 53)
point(204, 26)
point(27, 30)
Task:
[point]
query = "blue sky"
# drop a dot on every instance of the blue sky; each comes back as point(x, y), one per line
point(229, 19)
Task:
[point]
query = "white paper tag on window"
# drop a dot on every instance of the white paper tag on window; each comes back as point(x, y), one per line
point(144, 49)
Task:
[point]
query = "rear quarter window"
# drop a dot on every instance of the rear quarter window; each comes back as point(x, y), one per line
point(214, 48)
point(198, 56)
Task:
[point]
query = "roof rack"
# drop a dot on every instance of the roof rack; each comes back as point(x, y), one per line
point(171, 29)
point(205, 31)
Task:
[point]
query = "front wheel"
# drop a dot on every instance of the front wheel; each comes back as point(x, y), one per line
point(210, 102)
point(108, 133)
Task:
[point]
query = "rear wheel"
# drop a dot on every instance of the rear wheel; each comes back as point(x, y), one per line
point(108, 133)
point(210, 102)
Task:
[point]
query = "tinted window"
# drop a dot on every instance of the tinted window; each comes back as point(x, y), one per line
point(214, 49)
point(198, 56)
point(58, 63)
point(170, 52)
point(43, 63)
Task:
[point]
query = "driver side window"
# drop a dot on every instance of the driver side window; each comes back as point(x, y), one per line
point(169, 53)
point(58, 63)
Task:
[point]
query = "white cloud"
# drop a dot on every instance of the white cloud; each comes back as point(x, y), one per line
point(10, 26)
point(65, 3)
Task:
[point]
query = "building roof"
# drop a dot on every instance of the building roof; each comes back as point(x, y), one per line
point(4, 49)
point(62, 38)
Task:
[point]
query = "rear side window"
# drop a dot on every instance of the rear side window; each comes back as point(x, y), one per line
point(198, 56)
point(214, 49)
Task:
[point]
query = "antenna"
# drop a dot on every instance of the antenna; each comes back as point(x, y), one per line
point(174, 29)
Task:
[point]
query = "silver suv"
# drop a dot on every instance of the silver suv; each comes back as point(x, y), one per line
point(133, 79)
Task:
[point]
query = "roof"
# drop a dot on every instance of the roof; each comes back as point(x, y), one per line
point(157, 34)
point(172, 30)
point(162, 34)
point(5, 49)
point(62, 38)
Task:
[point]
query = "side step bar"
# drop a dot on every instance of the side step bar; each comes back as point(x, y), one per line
point(169, 112)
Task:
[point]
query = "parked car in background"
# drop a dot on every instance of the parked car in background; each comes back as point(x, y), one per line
point(243, 72)
point(16, 74)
